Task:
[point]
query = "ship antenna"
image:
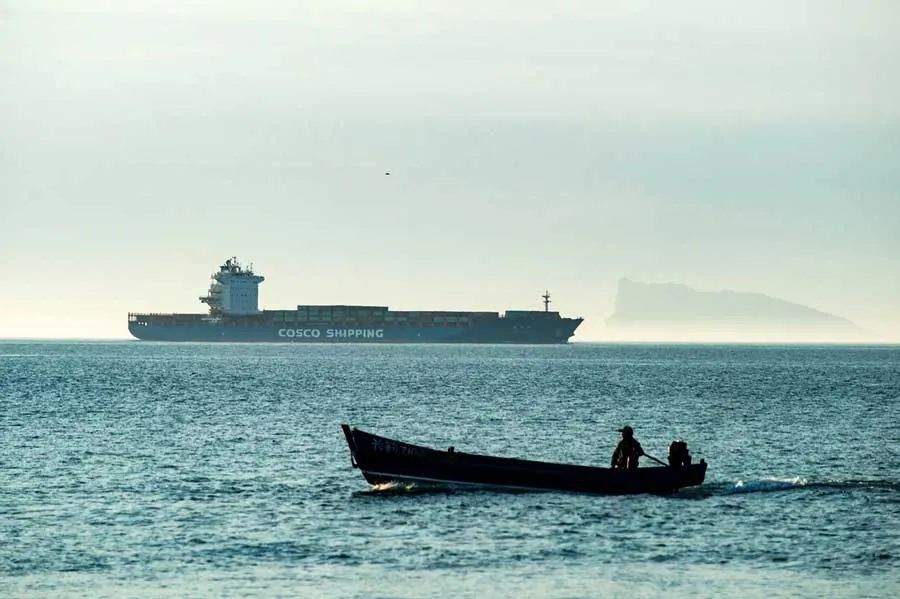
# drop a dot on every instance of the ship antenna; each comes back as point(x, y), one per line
point(546, 297)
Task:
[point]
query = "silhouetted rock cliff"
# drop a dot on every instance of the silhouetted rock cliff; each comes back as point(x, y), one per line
point(672, 311)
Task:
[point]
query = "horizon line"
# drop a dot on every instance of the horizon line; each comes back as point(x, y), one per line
point(573, 342)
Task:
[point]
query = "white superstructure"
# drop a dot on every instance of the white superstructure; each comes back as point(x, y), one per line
point(234, 290)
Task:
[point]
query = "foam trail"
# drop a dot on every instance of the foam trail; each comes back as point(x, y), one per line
point(392, 486)
point(767, 484)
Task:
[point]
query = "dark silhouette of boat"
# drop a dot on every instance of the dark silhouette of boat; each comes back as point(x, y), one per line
point(384, 460)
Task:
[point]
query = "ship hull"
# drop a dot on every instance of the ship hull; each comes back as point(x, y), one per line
point(550, 332)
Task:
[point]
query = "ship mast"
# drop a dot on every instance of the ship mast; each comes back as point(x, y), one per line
point(546, 297)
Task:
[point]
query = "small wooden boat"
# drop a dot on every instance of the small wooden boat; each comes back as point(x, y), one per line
point(384, 460)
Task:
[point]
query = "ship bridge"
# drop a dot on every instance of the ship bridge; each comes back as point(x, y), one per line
point(234, 289)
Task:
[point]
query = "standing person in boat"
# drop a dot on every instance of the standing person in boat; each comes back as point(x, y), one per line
point(628, 451)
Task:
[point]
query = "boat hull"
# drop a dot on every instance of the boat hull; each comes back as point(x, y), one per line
point(500, 331)
point(384, 460)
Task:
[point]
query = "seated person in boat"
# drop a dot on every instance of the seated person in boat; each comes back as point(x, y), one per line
point(628, 451)
point(679, 454)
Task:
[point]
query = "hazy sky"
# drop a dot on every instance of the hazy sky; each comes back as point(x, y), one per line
point(531, 145)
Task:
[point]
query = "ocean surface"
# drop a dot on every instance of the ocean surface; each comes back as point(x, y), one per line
point(133, 469)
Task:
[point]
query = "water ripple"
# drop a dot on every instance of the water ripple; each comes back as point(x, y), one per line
point(207, 470)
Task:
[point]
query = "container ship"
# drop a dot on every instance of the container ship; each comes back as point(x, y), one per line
point(234, 316)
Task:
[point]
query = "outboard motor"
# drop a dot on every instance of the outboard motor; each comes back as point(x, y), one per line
point(678, 454)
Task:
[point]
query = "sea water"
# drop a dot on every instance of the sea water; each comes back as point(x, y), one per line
point(133, 469)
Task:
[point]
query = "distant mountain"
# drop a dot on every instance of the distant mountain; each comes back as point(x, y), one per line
point(669, 311)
